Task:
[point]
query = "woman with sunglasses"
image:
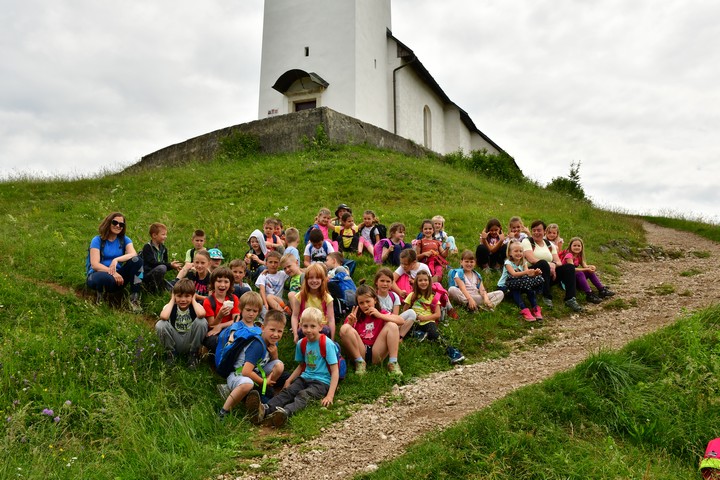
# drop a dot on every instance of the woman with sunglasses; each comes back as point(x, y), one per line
point(112, 262)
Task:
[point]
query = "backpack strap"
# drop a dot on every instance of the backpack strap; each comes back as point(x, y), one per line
point(393, 296)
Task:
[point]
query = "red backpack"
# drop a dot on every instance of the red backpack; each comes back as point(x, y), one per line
point(342, 365)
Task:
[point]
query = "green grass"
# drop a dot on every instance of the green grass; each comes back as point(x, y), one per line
point(642, 412)
point(129, 416)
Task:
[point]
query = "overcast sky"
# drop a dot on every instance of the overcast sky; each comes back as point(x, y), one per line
point(630, 89)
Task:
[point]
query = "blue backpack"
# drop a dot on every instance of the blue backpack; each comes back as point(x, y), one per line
point(344, 282)
point(231, 342)
point(460, 273)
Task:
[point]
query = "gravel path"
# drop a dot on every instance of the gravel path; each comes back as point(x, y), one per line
point(378, 433)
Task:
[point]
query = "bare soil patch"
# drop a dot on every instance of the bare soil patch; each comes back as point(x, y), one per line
point(650, 295)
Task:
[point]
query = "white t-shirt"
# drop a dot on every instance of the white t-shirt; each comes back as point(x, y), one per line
point(389, 302)
point(419, 266)
point(542, 252)
point(318, 254)
point(273, 282)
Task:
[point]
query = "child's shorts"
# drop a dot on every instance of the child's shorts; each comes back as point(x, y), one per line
point(234, 380)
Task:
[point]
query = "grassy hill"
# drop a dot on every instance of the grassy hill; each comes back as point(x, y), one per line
point(117, 411)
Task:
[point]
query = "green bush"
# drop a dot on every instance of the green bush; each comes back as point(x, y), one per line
point(569, 185)
point(238, 145)
point(497, 166)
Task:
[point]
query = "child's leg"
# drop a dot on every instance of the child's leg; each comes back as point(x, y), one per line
point(154, 280)
point(239, 388)
point(169, 337)
point(532, 298)
point(457, 296)
point(198, 331)
point(409, 316)
point(364, 245)
point(351, 341)
point(581, 282)
point(431, 329)
point(592, 276)
point(387, 343)
point(275, 303)
point(495, 298)
point(287, 395)
point(518, 299)
point(483, 256)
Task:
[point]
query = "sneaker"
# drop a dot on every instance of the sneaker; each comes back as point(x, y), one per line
point(360, 368)
point(254, 407)
point(193, 360)
point(419, 335)
point(525, 312)
point(592, 298)
point(537, 312)
point(135, 306)
point(452, 313)
point(548, 302)
point(276, 419)
point(169, 358)
point(455, 355)
point(573, 305)
point(394, 369)
point(222, 413)
point(606, 292)
point(223, 390)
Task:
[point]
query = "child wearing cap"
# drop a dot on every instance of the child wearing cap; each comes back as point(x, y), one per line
point(216, 258)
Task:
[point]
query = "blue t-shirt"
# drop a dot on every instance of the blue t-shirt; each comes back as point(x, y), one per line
point(110, 251)
point(255, 353)
point(295, 252)
point(316, 367)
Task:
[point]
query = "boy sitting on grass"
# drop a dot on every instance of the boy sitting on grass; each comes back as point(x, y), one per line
point(316, 377)
point(182, 325)
point(292, 238)
point(155, 260)
point(291, 267)
point(248, 381)
point(271, 283)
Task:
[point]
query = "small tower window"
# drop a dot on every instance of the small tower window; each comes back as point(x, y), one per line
point(427, 127)
point(307, 51)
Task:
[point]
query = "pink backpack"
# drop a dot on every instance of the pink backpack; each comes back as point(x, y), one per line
point(378, 248)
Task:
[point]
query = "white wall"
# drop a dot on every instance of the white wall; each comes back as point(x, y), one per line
point(327, 27)
point(373, 20)
point(412, 96)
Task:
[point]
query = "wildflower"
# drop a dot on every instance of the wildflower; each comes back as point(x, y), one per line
point(68, 402)
point(48, 412)
point(16, 403)
point(9, 419)
point(56, 419)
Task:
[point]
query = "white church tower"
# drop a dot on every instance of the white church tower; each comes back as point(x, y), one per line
point(332, 53)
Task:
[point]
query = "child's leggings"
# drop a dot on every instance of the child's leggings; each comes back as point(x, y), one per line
point(366, 244)
point(517, 297)
point(581, 278)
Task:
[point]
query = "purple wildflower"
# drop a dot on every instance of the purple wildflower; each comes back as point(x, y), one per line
point(68, 402)
point(56, 419)
point(16, 403)
point(48, 412)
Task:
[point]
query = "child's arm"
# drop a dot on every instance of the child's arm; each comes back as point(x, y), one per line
point(199, 309)
point(295, 374)
point(472, 305)
point(248, 370)
point(330, 315)
point(167, 309)
point(401, 293)
point(334, 379)
point(434, 316)
point(485, 297)
point(386, 250)
point(261, 289)
point(294, 319)
point(184, 271)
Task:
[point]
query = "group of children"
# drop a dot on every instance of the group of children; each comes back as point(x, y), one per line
point(213, 306)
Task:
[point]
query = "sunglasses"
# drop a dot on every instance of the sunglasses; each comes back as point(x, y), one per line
point(118, 224)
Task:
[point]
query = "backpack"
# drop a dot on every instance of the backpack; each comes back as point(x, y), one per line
point(342, 364)
point(379, 229)
point(350, 265)
point(228, 349)
point(310, 229)
point(385, 242)
point(344, 281)
point(460, 273)
point(315, 257)
point(532, 243)
point(102, 251)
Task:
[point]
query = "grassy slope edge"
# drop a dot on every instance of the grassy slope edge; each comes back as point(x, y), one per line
point(120, 411)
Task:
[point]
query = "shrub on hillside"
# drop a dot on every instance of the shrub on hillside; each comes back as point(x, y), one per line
point(498, 166)
point(569, 185)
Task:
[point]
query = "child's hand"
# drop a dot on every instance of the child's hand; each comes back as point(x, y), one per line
point(224, 311)
point(373, 312)
point(501, 238)
point(391, 247)
point(327, 401)
point(592, 268)
point(351, 319)
point(214, 330)
point(471, 304)
point(272, 351)
point(483, 235)
point(489, 304)
point(177, 265)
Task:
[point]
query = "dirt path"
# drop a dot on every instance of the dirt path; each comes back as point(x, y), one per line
point(376, 433)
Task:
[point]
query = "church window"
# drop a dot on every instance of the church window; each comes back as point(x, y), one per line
point(427, 127)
